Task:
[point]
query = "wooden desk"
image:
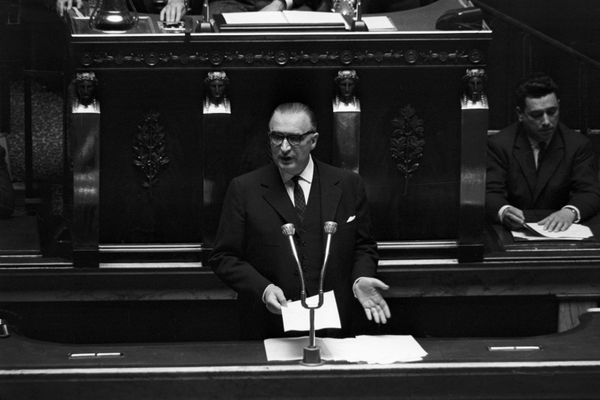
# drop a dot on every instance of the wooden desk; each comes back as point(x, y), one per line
point(566, 366)
point(406, 76)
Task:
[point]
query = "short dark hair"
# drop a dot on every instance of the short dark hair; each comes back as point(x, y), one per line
point(297, 108)
point(537, 85)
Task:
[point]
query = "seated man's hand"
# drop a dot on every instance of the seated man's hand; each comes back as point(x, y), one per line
point(513, 218)
point(366, 291)
point(558, 221)
point(274, 299)
point(173, 11)
point(276, 5)
point(65, 5)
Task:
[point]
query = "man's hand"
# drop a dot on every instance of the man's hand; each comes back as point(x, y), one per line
point(367, 293)
point(276, 5)
point(274, 299)
point(558, 221)
point(65, 5)
point(173, 11)
point(513, 218)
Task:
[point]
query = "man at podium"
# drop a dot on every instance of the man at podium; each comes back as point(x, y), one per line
point(253, 257)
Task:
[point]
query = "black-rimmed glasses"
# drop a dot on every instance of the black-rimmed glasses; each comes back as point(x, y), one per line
point(277, 138)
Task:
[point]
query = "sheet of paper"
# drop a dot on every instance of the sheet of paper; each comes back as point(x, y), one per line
point(297, 318)
point(379, 23)
point(526, 235)
point(288, 349)
point(575, 232)
point(255, 18)
point(385, 349)
point(312, 17)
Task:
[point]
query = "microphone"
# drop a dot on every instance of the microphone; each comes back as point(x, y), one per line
point(312, 353)
point(289, 230)
point(330, 228)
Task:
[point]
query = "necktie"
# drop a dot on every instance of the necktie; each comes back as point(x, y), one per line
point(299, 201)
point(541, 152)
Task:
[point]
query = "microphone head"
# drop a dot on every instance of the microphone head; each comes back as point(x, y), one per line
point(288, 229)
point(330, 227)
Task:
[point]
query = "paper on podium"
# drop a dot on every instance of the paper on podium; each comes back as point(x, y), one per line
point(385, 349)
point(297, 318)
point(536, 232)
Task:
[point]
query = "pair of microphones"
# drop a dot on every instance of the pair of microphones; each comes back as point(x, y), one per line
point(312, 354)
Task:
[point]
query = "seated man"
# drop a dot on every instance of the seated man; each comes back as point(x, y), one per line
point(7, 197)
point(539, 163)
point(253, 257)
point(176, 9)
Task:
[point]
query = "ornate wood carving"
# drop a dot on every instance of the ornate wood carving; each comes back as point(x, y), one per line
point(281, 57)
point(407, 142)
point(149, 149)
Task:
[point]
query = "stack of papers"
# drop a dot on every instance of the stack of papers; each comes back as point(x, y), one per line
point(533, 231)
point(385, 349)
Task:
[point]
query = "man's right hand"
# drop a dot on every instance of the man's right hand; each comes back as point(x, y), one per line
point(513, 218)
point(274, 299)
point(173, 11)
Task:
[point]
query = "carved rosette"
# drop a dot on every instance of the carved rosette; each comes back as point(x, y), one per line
point(407, 143)
point(149, 149)
point(281, 57)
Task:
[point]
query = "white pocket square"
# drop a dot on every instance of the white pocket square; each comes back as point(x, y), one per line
point(351, 218)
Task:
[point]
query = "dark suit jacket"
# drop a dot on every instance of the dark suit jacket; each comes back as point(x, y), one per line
point(7, 198)
point(568, 173)
point(251, 252)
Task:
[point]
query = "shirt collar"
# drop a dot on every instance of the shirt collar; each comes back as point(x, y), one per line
point(536, 143)
point(306, 174)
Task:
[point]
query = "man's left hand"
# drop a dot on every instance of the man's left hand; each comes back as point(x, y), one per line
point(558, 221)
point(375, 306)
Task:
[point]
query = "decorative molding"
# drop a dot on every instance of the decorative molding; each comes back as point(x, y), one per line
point(149, 149)
point(407, 142)
point(282, 57)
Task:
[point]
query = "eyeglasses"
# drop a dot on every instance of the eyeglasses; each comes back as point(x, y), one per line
point(277, 138)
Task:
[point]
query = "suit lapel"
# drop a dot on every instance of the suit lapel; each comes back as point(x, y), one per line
point(331, 193)
point(524, 156)
point(554, 155)
point(276, 195)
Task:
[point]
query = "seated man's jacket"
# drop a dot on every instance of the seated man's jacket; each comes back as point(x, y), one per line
point(567, 174)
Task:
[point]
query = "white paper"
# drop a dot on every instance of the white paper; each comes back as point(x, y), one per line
point(312, 17)
point(574, 232)
point(297, 318)
point(255, 18)
point(284, 17)
point(385, 349)
point(379, 23)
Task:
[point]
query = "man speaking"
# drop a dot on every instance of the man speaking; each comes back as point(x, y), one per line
point(253, 257)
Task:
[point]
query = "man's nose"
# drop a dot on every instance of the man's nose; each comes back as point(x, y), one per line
point(285, 146)
point(546, 119)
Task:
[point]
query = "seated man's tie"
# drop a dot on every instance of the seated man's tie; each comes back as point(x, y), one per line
point(542, 150)
point(299, 201)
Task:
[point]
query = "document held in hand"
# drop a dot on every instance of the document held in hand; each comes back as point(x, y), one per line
point(297, 318)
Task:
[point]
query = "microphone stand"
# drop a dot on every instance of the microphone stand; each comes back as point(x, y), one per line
point(312, 353)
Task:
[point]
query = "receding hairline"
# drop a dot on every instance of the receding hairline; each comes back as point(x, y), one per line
point(294, 109)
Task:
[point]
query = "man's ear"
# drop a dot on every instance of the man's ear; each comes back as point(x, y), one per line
point(313, 140)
